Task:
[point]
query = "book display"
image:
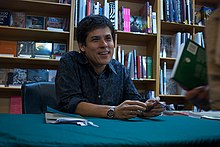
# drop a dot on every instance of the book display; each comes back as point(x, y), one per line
point(136, 32)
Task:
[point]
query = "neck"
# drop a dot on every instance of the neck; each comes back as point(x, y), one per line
point(98, 68)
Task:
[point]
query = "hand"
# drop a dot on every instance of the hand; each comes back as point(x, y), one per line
point(129, 109)
point(154, 108)
point(199, 96)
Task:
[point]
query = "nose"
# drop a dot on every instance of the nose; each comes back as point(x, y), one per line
point(103, 43)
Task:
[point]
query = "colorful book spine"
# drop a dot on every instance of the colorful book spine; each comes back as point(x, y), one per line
point(149, 67)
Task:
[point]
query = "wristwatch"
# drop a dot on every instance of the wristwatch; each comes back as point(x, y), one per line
point(111, 112)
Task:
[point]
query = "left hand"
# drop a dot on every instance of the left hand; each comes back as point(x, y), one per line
point(153, 108)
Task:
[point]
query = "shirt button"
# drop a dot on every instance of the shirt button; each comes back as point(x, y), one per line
point(99, 96)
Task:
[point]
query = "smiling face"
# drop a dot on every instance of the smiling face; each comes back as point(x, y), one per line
point(99, 48)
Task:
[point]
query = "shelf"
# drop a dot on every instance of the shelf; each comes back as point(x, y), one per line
point(172, 28)
point(15, 62)
point(13, 33)
point(9, 91)
point(130, 38)
point(37, 7)
point(170, 62)
point(143, 80)
point(199, 28)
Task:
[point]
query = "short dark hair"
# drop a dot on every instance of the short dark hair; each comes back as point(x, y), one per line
point(90, 23)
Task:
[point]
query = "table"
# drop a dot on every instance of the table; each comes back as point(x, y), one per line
point(31, 130)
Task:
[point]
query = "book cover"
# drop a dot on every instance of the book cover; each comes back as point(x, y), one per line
point(5, 18)
point(54, 22)
point(37, 75)
point(190, 68)
point(18, 19)
point(43, 50)
point(25, 49)
point(15, 105)
point(35, 22)
point(136, 23)
point(8, 48)
point(19, 76)
point(58, 50)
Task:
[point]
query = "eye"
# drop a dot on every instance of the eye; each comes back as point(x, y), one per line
point(109, 38)
point(95, 39)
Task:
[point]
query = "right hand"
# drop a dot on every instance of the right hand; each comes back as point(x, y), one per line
point(199, 96)
point(129, 109)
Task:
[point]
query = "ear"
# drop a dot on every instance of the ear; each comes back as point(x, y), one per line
point(81, 47)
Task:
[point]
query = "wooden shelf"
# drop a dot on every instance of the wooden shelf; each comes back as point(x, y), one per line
point(37, 7)
point(13, 33)
point(130, 38)
point(15, 62)
point(9, 91)
point(172, 28)
point(143, 80)
point(170, 62)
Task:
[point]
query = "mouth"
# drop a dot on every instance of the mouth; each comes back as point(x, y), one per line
point(104, 53)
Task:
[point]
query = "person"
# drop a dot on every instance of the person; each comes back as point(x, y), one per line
point(91, 83)
point(206, 97)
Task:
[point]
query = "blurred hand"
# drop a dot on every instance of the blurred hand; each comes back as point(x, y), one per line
point(199, 96)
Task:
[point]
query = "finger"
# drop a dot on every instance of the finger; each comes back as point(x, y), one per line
point(131, 102)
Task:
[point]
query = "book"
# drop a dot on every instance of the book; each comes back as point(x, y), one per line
point(54, 23)
point(19, 76)
point(213, 115)
point(136, 23)
point(58, 50)
point(190, 68)
point(8, 48)
point(18, 19)
point(5, 18)
point(25, 49)
point(35, 22)
point(53, 116)
point(3, 73)
point(43, 50)
point(37, 75)
point(52, 75)
point(149, 63)
point(15, 105)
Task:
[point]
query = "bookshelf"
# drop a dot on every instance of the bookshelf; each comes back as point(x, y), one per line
point(170, 28)
point(146, 44)
point(46, 8)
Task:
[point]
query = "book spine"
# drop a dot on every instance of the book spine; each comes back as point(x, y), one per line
point(149, 67)
point(161, 10)
point(161, 81)
point(154, 22)
point(138, 67)
point(164, 77)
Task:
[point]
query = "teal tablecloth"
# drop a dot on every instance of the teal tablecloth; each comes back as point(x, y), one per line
point(31, 130)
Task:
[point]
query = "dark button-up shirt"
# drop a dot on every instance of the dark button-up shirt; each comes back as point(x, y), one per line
point(76, 81)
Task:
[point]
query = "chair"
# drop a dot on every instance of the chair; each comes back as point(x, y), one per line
point(37, 96)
